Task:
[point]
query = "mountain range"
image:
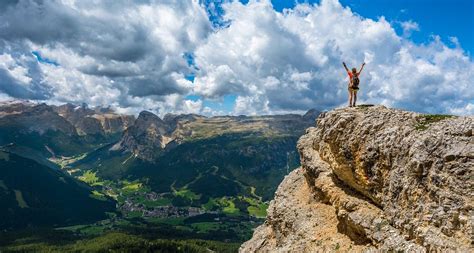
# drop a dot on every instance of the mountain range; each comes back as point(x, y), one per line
point(193, 175)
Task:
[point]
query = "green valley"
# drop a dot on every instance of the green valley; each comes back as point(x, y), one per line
point(181, 182)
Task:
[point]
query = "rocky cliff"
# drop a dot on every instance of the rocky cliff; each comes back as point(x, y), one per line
point(98, 121)
point(146, 138)
point(149, 135)
point(375, 179)
point(67, 118)
point(28, 117)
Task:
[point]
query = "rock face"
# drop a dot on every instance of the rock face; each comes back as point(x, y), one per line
point(376, 179)
point(97, 121)
point(33, 118)
point(67, 118)
point(150, 135)
point(146, 137)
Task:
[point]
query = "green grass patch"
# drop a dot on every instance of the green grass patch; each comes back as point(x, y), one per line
point(211, 205)
point(73, 228)
point(134, 214)
point(259, 211)
point(113, 194)
point(158, 202)
point(188, 194)
point(98, 195)
point(85, 229)
point(169, 221)
point(251, 201)
point(228, 206)
point(152, 203)
point(424, 121)
point(89, 177)
point(257, 208)
point(65, 161)
point(19, 198)
point(92, 230)
point(206, 226)
point(131, 186)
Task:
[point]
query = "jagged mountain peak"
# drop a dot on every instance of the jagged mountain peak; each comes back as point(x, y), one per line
point(148, 121)
point(148, 115)
point(148, 135)
point(94, 121)
point(311, 114)
point(41, 108)
point(34, 118)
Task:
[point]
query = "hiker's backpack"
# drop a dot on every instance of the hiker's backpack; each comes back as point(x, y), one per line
point(355, 81)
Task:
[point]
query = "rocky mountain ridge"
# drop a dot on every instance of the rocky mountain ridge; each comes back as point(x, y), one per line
point(33, 118)
point(376, 179)
point(145, 137)
point(67, 118)
point(100, 121)
point(214, 175)
point(149, 134)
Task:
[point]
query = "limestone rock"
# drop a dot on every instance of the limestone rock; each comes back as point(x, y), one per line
point(97, 121)
point(146, 138)
point(377, 179)
point(28, 117)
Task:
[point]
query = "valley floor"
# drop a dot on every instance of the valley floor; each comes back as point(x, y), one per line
point(143, 215)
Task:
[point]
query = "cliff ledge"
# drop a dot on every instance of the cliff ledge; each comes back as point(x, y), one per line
point(376, 179)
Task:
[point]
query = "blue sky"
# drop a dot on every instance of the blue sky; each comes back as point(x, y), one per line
point(446, 18)
point(443, 18)
point(183, 56)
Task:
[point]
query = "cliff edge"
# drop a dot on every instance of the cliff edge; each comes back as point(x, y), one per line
point(376, 179)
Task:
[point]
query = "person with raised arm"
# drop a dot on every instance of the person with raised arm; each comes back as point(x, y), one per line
point(353, 83)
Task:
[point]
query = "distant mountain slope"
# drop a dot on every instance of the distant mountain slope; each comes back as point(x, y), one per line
point(40, 129)
point(198, 152)
point(97, 121)
point(43, 131)
point(150, 135)
point(201, 174)
point(32, 194)
point(147, 137)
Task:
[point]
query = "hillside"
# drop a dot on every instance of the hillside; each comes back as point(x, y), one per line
point(374, 178)
point(97, 121)
point(181, 176)
point(33, 195)
point(208, 175)
point(184, 151)
point(41, 131)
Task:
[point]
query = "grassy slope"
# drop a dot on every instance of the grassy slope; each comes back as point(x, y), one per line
point(219, 167)
point(120, 242)
point(250, 160)
point(33, 194)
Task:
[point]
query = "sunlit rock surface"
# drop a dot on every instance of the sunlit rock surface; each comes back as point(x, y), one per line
point(376, 179)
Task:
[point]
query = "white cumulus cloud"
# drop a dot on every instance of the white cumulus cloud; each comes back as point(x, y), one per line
point(100, 52)
point(291, 61)
point(139, 54)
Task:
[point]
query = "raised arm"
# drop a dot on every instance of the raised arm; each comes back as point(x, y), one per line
point(361, 68)
point(344, 64)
